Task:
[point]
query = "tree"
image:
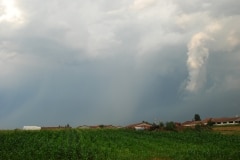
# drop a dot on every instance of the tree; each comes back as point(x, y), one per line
point(210, 123)
point(157, 126)
point(161, 124)
point(154, 126)
point(68, 126)
point(170, 126)
point(101, 126)
point(197, 117)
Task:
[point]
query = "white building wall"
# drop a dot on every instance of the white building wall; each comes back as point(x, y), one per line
point(31, 128)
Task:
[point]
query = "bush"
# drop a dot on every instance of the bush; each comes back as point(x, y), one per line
point(201, 128)
point(159, 126)
point(210, 123)
point(170, 126)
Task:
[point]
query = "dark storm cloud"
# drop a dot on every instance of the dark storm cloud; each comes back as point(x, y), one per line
point(101, 62)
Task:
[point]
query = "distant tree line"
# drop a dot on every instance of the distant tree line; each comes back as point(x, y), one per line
point(170, 126)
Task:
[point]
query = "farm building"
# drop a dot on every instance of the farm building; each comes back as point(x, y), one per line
point(54, 128)
point(226, 121)
point(190, 123)
point(140, 126)
point(31, 128)
point(214, 121)
point(83, 127)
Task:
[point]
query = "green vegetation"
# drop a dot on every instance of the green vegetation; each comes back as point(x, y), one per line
point(114, 144)
point(170, 126)
point(197, 117)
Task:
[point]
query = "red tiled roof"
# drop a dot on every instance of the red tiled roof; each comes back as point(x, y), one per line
point(206, 120)
point(224, 119)
point(216, 120)
point(142, 124)
point(191, 123)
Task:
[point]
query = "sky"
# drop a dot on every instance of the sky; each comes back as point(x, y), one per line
point(117, 62)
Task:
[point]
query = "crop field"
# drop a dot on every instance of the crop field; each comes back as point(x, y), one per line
point(117, 144)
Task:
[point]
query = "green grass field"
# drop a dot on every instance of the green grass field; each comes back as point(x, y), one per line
point(107, 144)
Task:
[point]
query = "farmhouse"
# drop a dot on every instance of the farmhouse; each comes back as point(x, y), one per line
point(140, 126)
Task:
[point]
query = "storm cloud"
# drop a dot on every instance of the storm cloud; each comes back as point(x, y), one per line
point(106, 62)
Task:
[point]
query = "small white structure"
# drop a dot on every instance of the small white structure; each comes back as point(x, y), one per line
point(31, 128)
point(139, 128)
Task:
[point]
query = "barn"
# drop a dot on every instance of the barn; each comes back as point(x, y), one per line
point(31, 128)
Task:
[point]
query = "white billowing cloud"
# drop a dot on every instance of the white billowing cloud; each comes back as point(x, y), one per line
point(155, 23)
point(141, 4)
point(190, 22)
point(216, 35)
point(197, 58)
point(101, 38)
point(213, 27)
point(233, 38)
point(10, 13)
